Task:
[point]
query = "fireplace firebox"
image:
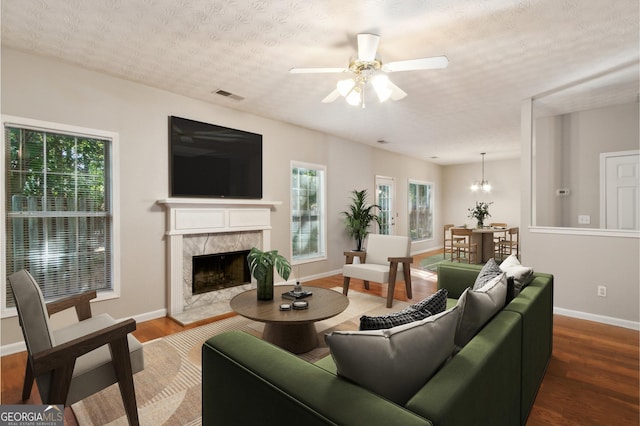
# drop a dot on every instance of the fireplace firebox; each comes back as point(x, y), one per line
point(220, 270)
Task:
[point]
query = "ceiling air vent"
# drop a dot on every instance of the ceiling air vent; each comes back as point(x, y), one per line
point(228, 95)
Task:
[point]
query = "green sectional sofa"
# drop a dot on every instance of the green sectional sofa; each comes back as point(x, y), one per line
point(493, 380)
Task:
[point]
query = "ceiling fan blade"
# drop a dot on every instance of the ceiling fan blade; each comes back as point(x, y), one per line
point(316, 70)
point(367, 47)
point(331, 97)
point(432, 63)
point(396, 92)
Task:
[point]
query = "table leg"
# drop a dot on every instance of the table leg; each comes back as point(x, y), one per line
point(487, 246)
point(478, 239)
point(295, 338)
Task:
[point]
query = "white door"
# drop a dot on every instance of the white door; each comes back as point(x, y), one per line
point(385, 194)
point(620, 190)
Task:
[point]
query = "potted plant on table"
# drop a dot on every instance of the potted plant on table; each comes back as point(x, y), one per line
point(359, 217)
point(480, 212)
point(261, 265)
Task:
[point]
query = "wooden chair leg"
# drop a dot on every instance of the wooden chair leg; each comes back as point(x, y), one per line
point(345, 285)
point(60, 383)
point(121, 360)
point(406, 269)
point(393, 272)
point(28, 381)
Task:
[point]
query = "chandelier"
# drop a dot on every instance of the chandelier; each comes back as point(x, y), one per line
point(483, 184)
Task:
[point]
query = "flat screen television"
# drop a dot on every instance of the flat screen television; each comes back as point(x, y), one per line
point(212, 161)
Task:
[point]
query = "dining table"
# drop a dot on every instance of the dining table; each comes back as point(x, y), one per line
point(484, 239)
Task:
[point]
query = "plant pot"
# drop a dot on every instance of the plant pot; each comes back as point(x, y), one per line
point(480, 224)
point(265, 287)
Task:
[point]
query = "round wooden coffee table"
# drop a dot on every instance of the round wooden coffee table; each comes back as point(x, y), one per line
point(292, 330)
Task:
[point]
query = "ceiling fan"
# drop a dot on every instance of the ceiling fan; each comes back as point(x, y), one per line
point(367, 68)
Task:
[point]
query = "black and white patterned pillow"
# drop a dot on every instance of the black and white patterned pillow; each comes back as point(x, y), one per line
point(489, 271)
point(435, 303)
point(382, 322)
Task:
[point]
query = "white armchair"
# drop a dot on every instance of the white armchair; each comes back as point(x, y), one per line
point(385, 256)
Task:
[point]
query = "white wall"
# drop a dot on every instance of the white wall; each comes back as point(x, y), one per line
point(44, 89)
point(581, 262)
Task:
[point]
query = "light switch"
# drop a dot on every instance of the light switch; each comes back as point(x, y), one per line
point(584, 219)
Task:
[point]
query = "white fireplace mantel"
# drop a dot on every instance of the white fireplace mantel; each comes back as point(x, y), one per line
point(207, 215)
point(188, 216)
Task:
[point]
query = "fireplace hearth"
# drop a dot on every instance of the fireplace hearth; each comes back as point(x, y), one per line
point(218, 271)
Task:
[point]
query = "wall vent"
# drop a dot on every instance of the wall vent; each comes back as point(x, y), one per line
point(228, 95)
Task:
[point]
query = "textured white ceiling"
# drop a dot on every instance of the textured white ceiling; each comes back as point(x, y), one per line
point(500, 52)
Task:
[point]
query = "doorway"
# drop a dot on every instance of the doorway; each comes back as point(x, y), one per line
point(619, 190)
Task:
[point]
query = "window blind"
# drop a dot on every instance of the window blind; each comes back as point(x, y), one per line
point(58, 213)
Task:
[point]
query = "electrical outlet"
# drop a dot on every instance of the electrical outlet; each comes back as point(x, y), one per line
point(602, 291)
point(584, 219)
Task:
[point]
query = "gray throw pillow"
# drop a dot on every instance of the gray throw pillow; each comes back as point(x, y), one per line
point(522, 275)
point(395, 363)
point(489, 271)
point(479, 306)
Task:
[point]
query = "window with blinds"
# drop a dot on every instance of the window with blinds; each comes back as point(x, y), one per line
point(308, 220)
point(58, 214)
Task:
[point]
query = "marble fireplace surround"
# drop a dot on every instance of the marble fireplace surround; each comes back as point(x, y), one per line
point(208, 226)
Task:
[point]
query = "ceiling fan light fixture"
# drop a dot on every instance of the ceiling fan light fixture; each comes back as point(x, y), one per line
point(345, 86)
point(380, 83)
point(354, 97)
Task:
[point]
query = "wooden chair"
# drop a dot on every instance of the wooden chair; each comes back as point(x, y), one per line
point(498, 235)
point(385, 256)
point(447, 240)
point(76, 361)
point(462, 245)
point(510, 245)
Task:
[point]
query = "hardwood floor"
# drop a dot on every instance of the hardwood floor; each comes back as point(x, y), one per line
point(593, 376)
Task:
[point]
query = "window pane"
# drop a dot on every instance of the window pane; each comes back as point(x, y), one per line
point(420, 211)
point(307, 221)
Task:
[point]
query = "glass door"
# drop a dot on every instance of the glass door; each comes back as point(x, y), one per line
point(385, 193)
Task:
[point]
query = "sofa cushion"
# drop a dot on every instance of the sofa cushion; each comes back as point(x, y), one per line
point(479, 306)
point(433, 304)
point(489, 271)
point(395, 362)
point(522, 275)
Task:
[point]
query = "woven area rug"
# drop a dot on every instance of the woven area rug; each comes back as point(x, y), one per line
point(168, 390)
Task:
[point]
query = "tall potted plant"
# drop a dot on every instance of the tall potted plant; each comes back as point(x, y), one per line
point(261, 265)
point(359, 217)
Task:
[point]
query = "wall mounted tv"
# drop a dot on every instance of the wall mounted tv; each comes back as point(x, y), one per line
point(213, 161)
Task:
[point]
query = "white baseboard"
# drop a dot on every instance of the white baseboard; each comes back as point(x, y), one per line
point(12, 348)
point(633, 325)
